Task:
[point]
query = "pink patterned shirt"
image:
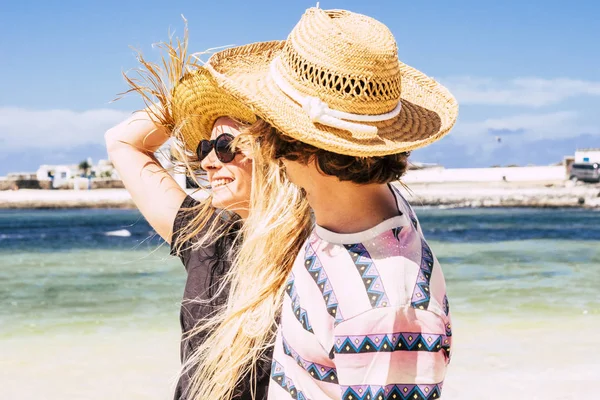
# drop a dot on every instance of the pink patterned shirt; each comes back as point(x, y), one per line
point(365, 317)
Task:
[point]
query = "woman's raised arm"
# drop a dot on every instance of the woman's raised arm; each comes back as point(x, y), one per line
point(131, 146)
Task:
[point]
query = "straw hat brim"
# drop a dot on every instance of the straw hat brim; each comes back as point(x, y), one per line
point(197, 103)
point(428, 109)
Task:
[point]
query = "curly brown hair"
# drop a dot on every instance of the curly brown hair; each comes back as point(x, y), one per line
point(359, 170)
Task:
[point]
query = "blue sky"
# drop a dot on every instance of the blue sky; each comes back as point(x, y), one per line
point(525, 72)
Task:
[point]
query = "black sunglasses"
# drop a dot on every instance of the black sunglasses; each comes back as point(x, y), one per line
point(222, 145)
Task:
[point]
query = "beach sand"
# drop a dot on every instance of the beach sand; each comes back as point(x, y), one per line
point(524, 359)
point(477, 194)
point(132, 365)
point(492, 359)
point(505, 194)
point(33, 198)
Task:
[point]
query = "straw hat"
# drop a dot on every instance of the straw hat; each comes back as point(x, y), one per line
point(336, 83)
point(197, 102)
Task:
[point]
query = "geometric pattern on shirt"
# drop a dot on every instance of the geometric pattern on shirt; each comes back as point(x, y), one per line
point(278, 375)
point(413, 219)
point(448, 329)
point(299, 312)
point(319, 372)
point(446, 305)
point(447, 348)
point(369, 274)
point(315, 269)
point(411, 214)
point(389, 342)
point(392, 392)
point(421, 296)
point(396, 232)
point(448, 341)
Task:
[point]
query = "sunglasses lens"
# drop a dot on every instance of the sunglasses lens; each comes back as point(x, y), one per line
point(204, 149)
point(223, 148)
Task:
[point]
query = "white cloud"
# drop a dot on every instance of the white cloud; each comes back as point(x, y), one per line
point(538, 122)
point(54, 129)
point(537, 126)
point(526, 127)
point(528, 92)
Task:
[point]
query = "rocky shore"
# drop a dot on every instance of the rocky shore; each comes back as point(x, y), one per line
point(478, 194)
point(505, 194)
point(36, 198)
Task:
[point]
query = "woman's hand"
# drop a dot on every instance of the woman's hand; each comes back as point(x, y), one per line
point(131, 146)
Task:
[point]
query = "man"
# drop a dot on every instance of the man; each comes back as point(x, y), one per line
point(365, 313)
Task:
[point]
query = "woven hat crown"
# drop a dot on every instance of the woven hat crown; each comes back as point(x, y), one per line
point(347, 60)
point(336, 83)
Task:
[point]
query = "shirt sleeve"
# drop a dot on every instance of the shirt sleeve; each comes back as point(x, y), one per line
point(407, 209)
point(394, 350)
point(183, 217)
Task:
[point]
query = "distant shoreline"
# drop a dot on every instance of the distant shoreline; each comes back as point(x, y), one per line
point(477, 194)
point(505, 194)
point(54, 199)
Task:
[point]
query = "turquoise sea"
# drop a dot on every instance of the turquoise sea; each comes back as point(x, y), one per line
point(96, 270)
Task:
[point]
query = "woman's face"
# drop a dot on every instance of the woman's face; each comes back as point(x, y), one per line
point(231, 182)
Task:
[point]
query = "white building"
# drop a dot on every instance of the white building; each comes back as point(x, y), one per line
point(104, 169)
point(61, 173)
point(587, 156)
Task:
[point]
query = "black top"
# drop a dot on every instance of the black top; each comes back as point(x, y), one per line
point(205, 267)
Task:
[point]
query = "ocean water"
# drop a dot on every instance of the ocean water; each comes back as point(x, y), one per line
point(103, 270)
point(86, 270)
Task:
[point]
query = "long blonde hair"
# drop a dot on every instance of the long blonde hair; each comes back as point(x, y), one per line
point(154, 83)
point(279, 222)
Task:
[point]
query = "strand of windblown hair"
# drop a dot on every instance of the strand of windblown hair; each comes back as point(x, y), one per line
point(277, 225)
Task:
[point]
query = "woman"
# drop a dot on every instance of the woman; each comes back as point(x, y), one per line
point(204, 234)
point(365, 313)
point(183, 221)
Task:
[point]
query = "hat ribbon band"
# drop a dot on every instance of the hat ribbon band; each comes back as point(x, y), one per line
point(319, 111)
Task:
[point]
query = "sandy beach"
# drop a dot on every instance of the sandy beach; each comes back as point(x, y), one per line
point(505, 194)
point(132, 365)
point(523, 359)
point(455, 194)
point(34, 198)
